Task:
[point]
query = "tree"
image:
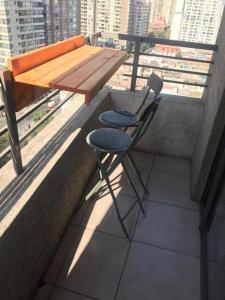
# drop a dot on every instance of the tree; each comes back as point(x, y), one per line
point(151, 34)
point(38, 116)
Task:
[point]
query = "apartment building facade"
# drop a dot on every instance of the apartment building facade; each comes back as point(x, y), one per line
point(161, 8)
point(138, 18)
point(87, 16)
point(62, 19)
point(197, 21)
point(99, 15)
point(127, 16)
point(21, 27)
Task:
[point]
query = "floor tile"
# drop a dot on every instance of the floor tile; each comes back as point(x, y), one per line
point(120, 183)
point(143, 160)
point(157, 274)
point(171, 165)
point(101, 214)
point(216, 281)
point(169, 227)
point(172, 189)
point(216, 241)
point(94, 264)
point(61, 294)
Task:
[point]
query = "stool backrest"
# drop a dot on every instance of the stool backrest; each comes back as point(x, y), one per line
point(145, 120)
point(154, 84)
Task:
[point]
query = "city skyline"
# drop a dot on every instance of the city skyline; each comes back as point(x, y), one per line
point(30, 24)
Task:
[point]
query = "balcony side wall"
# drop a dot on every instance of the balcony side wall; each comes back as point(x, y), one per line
point(30, 241)
point(175, 127)
point(213, 121)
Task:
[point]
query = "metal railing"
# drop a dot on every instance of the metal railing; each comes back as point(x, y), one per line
point(6, 129)
point(135, 42)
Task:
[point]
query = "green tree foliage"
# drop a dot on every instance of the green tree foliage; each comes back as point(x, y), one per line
point(38, 116)
point(159, 34)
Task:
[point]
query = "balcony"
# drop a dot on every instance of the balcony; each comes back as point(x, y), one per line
point(52, 247)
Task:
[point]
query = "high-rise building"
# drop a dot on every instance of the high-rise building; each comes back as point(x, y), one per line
point(161, 8)
point(21, 27)
point(100, 15)
point(128, 16)
point(136, 16)
point(197, 21)
point(87, 16)
point(62, 19)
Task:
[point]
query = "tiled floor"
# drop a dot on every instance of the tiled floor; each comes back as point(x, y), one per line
point(95, 261)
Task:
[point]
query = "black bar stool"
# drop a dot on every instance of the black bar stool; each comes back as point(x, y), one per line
point(125, 119)
point(120, 143)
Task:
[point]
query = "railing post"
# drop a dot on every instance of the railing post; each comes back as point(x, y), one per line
point(135, 64)
point(94, 37)
point(6, 81)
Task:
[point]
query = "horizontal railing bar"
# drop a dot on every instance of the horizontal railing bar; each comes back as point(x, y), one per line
point(146, 39)
point(8, 149)
point(108, 35)
point(169, 69)
point(171, 81)
point(5, 152)
point(45, 118)
point(186, 83)
point(176, 58)
point(185, 44)
point(4, 129)
point(36, 106)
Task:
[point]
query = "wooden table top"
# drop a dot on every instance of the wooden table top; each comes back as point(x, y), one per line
point(84, 70)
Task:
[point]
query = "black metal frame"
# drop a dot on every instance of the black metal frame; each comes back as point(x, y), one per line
point(138, 40)
point(12, 121)
point(209, 201)
point(9, 107)
point(144, 122)
point(105, 177)
point(172, 81)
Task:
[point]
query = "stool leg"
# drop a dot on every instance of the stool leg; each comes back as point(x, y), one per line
point(134, 189)
point(137, 172)
point(105, 177)
point(95, 189)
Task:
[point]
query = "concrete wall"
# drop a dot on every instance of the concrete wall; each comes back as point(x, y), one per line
point(175, 127)
point(33, 227)
point(213, 121)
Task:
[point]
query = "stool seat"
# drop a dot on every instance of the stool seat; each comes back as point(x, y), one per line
point(117, 118)
point(109, 140)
